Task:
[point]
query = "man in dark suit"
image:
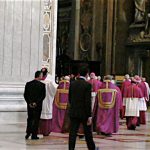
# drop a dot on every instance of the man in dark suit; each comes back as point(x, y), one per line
point(80, 109)
point(34, 95)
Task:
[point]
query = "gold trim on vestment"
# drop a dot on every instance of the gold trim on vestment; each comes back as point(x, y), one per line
point(57, 98)
point(65, 83)
point(106, 105)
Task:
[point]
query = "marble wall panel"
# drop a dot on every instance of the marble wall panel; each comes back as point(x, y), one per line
point(17, 39)
point(2, 29)
point(8, 39)
point(34, 53)
point(26, 39)
point(21, 39)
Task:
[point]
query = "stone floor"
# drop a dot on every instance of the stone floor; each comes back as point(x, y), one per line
point(12, 127)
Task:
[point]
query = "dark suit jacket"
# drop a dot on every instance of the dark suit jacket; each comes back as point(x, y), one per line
point(80, 99)
point(35, 92)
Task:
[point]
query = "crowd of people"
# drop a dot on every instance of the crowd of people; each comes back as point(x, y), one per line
point(82, 104)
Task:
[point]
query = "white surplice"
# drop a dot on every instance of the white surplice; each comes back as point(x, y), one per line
point(47, 106)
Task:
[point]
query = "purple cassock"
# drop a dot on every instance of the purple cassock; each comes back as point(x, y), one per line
point(95, 84)
point(107, 107)
point(45, 124)
point(124, 87)
point(143, 88)
point(133, 101)
point(60, 107)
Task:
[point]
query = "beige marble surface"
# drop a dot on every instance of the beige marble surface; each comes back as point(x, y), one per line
point(21, 47)
point(12, 128)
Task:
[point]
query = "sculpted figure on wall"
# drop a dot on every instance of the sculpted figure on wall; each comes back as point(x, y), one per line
point(147, 25)
point(86, 22)
point(139, 10)
point(140, 28)
point(147, 19)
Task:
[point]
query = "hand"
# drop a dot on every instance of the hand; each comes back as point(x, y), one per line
point(89, 121)
point(33, 105)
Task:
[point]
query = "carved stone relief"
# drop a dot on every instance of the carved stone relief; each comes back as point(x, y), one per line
point(139, 31)
point(49, 35)
point(86, 11)
point(46, 29)
point(139, 10)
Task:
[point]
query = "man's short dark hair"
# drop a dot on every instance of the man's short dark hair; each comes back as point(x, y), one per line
point(83, 71)
point(37, 74)
point(44, 71)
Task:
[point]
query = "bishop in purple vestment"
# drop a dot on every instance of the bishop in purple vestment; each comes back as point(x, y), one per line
point(60, 106)
point(107, 107)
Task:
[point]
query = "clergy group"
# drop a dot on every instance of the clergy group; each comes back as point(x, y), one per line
point(109, 102)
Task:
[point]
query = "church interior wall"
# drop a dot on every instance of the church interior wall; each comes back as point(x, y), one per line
point(109, 33)
point(125, 15)
point(146, 66)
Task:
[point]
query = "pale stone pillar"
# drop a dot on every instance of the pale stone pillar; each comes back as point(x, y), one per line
point(21, 47)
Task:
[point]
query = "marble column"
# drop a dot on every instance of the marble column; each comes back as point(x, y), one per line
point(21, 48)
point(98, 19)
point(93, 49)
point(77, 30)
point(109, 36)
point(114, 37)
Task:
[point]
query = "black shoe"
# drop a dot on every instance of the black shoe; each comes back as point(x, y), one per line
point(131, 128)
point(27, 136)
point(108, 135)
point(45, 134)
point(102, 133)
point(35, 138)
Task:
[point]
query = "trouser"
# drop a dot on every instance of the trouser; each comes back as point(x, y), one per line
point(131, 122)
point(33, 121)
point(122, 112)
point(142, 117)
point(75, 123)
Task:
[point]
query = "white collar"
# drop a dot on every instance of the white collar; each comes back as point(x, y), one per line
point(81, 77)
